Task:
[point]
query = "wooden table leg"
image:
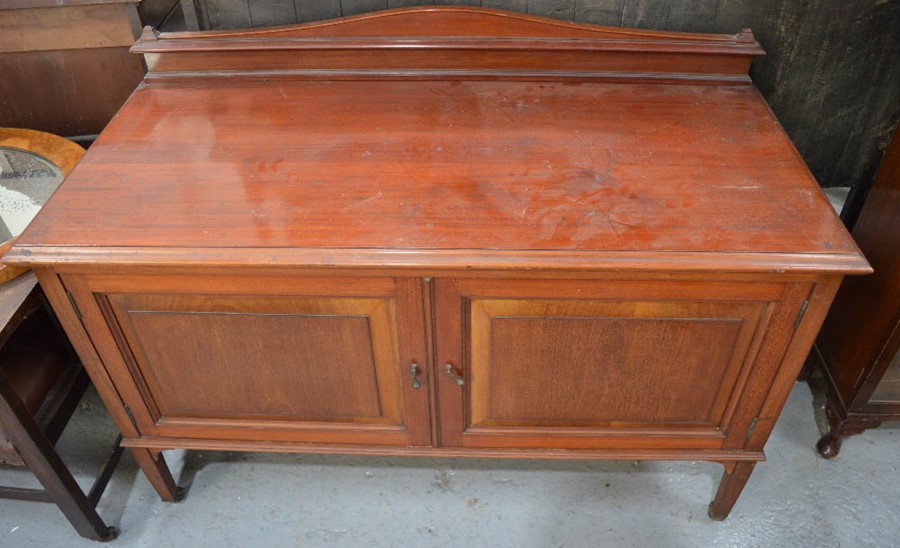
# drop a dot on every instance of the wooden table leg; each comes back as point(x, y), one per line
point(733, 481)
point(44, 462)
point(157, 471)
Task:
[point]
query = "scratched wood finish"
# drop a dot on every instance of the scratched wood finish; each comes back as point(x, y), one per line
point(612, 267)
point(846, 48)
point(613, 168)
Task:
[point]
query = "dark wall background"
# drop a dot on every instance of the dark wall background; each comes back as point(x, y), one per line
point(832, 73)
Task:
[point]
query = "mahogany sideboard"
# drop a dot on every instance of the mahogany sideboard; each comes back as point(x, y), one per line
point(444, 231)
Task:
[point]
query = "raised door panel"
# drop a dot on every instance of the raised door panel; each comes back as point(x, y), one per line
point(270, 359)
point(593, 365)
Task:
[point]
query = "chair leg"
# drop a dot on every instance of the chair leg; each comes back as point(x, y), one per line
point(45, 463)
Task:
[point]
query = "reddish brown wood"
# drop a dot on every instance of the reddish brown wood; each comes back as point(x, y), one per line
point(858, 349)
point(456, 42)
point(440, 21)
point(624, 344)
point(583, 184)
point(611, 269)
point(730, 487)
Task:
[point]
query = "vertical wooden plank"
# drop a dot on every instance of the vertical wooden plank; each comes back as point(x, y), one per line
point(264, 13)
point(354, 7)
point(508, 5)
point(228, 14)
point(734, 15)
point(191, 18)
point(316, 10)
point(692, 15)
point(559, 9)
point(408, 3)
point(647, 14)
point(203, 15)
point(599, 12)
point(862, 77)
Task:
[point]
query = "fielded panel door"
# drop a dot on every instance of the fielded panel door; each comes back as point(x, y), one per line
point(320, 360)
point(598, 365)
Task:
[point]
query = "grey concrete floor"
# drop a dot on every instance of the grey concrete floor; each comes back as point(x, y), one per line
point(242, 499)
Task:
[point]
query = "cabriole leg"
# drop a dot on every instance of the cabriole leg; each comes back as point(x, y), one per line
point(839, 427)
point(733, 481)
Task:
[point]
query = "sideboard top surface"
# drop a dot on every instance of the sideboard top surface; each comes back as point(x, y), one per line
point(442, 172)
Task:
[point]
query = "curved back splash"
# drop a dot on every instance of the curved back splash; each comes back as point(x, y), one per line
point(451, 42)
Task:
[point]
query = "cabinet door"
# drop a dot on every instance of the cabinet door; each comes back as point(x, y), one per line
point(268, 359)
point(598, 365)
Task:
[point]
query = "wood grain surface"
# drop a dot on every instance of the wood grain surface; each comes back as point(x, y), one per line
point(453, 165)
point(845, 48)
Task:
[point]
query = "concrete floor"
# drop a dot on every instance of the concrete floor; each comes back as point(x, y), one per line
point(235, 499)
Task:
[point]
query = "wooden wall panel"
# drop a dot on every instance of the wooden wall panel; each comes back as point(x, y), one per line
point(511, 5)
point(229, 14)
point(600, 12)
point(353, 7)
point(560, 9)
point(691, 15)
point(409, 3)
point(316, 10)
point(831, 74)
point(645, 14)
point(264, 13)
